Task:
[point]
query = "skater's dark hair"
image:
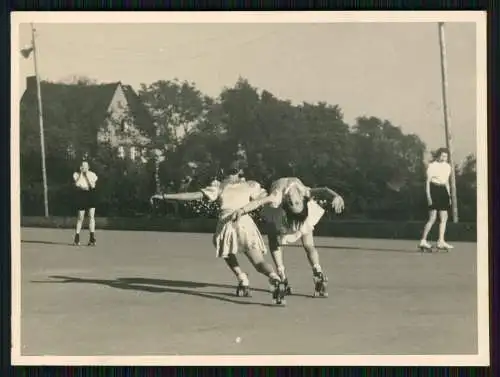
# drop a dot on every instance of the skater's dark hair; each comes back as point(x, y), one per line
point(439, 152)
point(235, 167)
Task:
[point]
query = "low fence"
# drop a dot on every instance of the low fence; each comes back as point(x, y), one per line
point(462, 232)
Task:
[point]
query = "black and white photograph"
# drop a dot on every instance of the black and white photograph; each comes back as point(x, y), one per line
point(249, 188)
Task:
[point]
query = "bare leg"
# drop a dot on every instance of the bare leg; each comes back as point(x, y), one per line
point(92, 240)
point(311, 252)
point(256, 257)
point(428, 226)
point(319, 277)
point(443, 217)
point(79, 221)
point(92, 220)
point(234, 266)
point(276, 253)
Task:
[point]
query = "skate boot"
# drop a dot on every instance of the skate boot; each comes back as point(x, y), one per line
point(243, 288)
point(92, 241)
point(278, 291)
point(425, 246)
point(284, 279)
point(76, 240)
point(443, 246)
point(320, 284)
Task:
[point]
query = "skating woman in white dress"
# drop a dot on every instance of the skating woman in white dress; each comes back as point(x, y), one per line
point(291, 214)
point(231, 237)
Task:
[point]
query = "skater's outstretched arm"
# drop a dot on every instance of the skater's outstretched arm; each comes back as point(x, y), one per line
point(337, 200)
point(184, 196)
point(253, 205)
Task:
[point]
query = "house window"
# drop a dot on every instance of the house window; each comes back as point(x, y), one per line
point(121, 152)
point(133, 153)
point(124, 125)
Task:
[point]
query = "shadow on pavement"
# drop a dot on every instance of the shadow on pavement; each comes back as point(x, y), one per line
point(163, 286)
point(47, 242)
point(359, 248)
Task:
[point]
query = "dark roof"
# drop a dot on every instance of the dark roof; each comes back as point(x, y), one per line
point(143, 118)
point(93, 102)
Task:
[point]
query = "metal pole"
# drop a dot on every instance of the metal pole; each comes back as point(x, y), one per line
point(157, 174)
point(447, 120)
point(40, 118)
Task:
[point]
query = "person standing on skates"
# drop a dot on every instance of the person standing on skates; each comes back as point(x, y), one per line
point(437, 190)
point(85, 195)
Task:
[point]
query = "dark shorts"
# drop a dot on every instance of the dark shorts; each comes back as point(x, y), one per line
point(85, 199)
point(440, 198)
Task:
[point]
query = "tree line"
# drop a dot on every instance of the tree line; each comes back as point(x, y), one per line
point(378, 169)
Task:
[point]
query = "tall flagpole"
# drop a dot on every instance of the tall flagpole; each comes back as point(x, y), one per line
point(40, 118)
point(447, 120)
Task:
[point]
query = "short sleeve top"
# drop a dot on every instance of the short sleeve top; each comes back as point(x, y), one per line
point(85, 181)
point(233, 196)
point(439, 172)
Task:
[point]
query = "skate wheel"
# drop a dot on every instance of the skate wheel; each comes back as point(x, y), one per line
point(315, 294)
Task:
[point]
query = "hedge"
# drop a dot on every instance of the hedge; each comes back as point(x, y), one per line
point(462, 232)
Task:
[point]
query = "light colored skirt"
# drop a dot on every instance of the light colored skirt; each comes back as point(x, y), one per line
point(233, 236)
point(276, 218)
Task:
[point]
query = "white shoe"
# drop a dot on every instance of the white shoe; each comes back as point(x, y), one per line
point(424, 244)
point(444, 245)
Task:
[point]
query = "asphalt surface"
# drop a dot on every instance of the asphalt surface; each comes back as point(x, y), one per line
point(147, 293)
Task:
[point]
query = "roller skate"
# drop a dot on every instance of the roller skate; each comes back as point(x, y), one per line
point(425, 247)
point(278, 290)
point(284, 279)
point(243, 288)
point(443, 246)
point(92, 241)
point(287, 288)
point(320, 284)
point(76, 240)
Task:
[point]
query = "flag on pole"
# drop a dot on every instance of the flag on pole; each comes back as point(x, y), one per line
point(26, 52)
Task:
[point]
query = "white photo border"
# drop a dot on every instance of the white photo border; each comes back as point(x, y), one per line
point(477, 17)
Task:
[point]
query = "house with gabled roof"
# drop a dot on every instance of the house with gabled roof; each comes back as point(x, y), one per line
point(97, 114)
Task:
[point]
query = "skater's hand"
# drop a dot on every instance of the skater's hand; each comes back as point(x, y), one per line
point(338, 204)
point(237, 215)
point(155, 197)
point(429, 201)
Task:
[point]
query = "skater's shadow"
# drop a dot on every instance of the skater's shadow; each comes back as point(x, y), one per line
point(47, 242)
point(162, 286)
point(362, 248)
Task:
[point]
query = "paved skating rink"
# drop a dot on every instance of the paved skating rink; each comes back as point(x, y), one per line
point(155, 293)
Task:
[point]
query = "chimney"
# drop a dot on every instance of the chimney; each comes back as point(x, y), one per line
point(30, 83)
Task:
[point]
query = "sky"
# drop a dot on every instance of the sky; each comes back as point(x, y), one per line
point(388, 70)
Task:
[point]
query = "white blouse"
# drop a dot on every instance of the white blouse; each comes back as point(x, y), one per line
point(233, 196)
point(439, 172)
point(85, 184)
